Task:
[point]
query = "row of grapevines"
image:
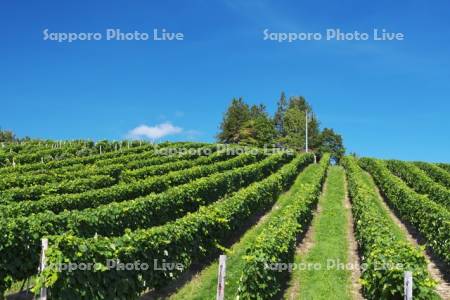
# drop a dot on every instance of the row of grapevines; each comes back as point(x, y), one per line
point(157, 209)
point(93, 158)
point(36, 192)
point(100, 167)
point(196, 148)
point(147, 150)
point(72, 161)
point(10, 147)
point(122, 191)
point(445, 166)
point(181, 162)
point(419, 181)
point(38, 155)
point(277, 242)
point(7, 153)
point(25, 152)
point(21, 238)
point(184, 241)
point(82, 184)
point(429, 218)
point(434, 171)
point(15, 181)
point(381, 250)
point(36, 145)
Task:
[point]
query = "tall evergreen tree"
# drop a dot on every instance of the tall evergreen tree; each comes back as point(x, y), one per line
point(259, 130)
point(313, 131)
point(278, 119)
point(237, 114)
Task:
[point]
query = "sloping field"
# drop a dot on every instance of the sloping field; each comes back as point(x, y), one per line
point(150, 221)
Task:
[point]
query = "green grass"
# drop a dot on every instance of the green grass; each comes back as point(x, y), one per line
point(329, 243)
point(203, 286)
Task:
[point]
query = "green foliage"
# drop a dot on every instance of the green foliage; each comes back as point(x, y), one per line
point(54, 152)
point(122, 191)
point(234, 119)
point(137, 165)
point(331, 142)
point(259, 129)
point(385, 257)
point(419, 181)
point(278, 119)
point(429, 218)
point(438, 174)
point(7, 136)
point(330, 242)
point(101, 175)
point(186, 241)
point(52, 164)
point(22, 236)
point(246, 125)
point(294, 127)
point(36, 192)
point(252, 126)
point(276, 244)
point(446, 167)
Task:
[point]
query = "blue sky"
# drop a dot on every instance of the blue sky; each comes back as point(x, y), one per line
point(388, 99)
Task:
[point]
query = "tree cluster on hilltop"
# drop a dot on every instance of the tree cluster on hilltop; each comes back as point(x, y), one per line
point(252, 125)
point(7, 136)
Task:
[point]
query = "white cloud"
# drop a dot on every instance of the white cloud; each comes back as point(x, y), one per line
point(154, 132)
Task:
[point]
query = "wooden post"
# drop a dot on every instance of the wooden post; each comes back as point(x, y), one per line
point(43, 264)
point(221, 278)
point(408, 286)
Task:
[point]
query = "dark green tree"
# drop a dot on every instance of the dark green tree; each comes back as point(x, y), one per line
point(7, 136)
point(237, 114)
point(294, 126)
point(331, 142)
point(259, 130)
point(295, 123)
point(300, 103)
point(313, 131)
point(278, 119)
point(253, 126)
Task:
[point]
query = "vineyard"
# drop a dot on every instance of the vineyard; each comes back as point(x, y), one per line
point(135, 220)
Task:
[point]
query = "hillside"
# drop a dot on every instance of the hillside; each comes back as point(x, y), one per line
point(149, 221)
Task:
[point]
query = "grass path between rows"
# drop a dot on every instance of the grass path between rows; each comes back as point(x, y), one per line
point(203, 285)
point(317, 276)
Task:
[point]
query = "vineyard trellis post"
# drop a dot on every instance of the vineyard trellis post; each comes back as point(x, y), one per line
point(221, 278)
point(408, 286)
point(43, 294)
